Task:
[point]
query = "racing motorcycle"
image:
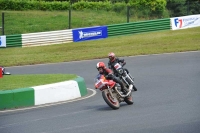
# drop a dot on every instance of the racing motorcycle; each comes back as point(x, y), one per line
point(124, 75)
point(111, 92)
point(4, 72)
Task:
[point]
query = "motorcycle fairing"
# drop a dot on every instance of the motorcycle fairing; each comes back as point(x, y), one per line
point(101, 82)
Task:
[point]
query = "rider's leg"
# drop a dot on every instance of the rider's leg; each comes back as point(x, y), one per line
point(120, 83)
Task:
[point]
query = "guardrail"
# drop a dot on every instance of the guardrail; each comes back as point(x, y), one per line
point(39, 39)
point(14, 40)
point(47, 38)
point(138, 27)
point(66, 36)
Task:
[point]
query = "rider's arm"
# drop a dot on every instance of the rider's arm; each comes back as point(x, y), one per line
point(108, 74)
point(109, 65)
point(122, 61)
point(108, 71)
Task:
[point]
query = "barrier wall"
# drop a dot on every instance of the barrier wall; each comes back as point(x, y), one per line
point(99, 32)
point(138, 27)
point(14, 40)
point(47, 38)
point(88, 33)
point(43, 94)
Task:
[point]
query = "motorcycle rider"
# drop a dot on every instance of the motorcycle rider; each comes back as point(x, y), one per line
point(113, 60)
point(108, 73)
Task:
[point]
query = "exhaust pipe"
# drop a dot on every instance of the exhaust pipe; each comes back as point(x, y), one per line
point(122, 94)
point(130, 87)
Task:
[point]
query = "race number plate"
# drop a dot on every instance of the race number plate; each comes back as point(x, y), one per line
point(99, 84)
point(117, 66)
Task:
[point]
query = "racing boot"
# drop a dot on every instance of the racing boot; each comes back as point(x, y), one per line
point(121, 84)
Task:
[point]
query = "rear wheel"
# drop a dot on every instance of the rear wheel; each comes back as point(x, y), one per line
point(129, 100)
point(113, 103)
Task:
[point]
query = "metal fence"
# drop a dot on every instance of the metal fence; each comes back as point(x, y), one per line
point(138, 27)
point(18, 22)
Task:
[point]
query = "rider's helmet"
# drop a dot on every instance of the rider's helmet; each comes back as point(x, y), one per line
point(111, 57)
point(100, 67)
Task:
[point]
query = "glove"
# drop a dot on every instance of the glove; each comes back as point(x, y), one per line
point(109, 76)
point(124, 63)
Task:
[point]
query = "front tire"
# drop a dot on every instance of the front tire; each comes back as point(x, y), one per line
point(113, 103)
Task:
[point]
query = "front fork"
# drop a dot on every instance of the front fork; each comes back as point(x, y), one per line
point(131, 76)
point(111, 94)
point(126, 77)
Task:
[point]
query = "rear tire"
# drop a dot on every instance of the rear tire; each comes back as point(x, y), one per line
point(129, 100)
point(113, 103)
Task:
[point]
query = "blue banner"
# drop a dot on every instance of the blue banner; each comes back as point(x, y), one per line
point(91, 33)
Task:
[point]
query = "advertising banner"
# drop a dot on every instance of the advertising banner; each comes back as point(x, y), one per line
point(185, 22)
point(2, 41)
point(91, 33)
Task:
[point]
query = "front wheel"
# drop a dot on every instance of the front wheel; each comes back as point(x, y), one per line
point(113, 103)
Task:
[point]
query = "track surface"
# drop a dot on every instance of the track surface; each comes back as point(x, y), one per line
point(167, 101)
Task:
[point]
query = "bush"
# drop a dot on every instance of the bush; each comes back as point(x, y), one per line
point(149, 7)
point(32, 5)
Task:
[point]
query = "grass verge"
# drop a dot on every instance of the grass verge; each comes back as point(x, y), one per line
point(30, 21)
point(9, 82)
point(137, 44)
point(129, 45)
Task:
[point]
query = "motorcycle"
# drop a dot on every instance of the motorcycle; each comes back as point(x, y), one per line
point(111, 92)
point(4, 72)
point(124, 75)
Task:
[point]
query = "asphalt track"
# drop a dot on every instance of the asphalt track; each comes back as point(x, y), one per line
point(167, 100)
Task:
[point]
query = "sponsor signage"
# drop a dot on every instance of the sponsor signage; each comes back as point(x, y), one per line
point(91, 33)
point(185, 22)
point(2, 41)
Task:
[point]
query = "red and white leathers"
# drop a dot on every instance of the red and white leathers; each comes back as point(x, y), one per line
point(102, 81)
point(108, 74)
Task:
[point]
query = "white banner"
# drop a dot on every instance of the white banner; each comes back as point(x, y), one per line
point(2, 41)
point(185, 22)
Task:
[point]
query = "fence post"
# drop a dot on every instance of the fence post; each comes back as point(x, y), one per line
point(188, 7)
point(128, 13)
point(70, 6)
point(2, 28)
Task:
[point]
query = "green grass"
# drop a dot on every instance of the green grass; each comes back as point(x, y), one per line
point(129, 45)
point(21, 22)
point(17, 22)
point(23, 81)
